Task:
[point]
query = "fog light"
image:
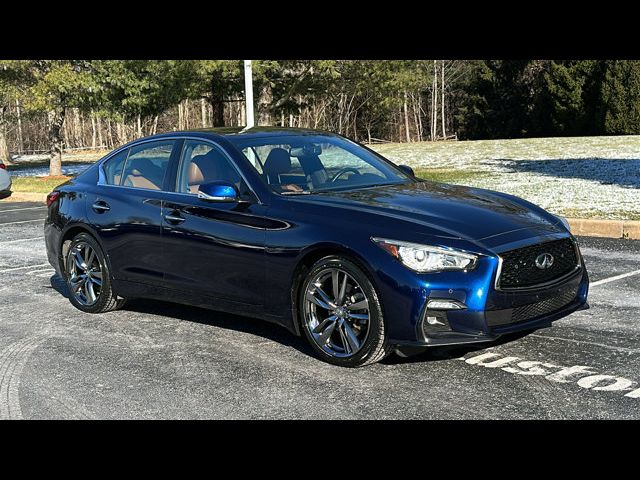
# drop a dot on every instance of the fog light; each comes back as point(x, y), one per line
point(444, 304)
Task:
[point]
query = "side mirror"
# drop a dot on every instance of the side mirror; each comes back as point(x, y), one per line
point(218, 192)
point(407, 169)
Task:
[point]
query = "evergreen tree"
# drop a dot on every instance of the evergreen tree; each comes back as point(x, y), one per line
point(621, 97)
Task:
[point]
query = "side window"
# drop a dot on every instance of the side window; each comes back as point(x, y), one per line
point(147, 165)
point(252, 156)
point(204, 163)
point(113, 167)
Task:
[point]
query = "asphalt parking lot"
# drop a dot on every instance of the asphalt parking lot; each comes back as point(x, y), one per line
point(158, 360)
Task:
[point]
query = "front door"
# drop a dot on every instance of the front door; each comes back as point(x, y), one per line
point(213, 249)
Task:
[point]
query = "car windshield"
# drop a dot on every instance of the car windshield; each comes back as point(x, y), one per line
point(303, 164)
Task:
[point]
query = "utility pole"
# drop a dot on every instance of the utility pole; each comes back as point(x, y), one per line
point(248, 92)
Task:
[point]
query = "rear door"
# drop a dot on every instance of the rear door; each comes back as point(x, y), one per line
point(125, 208)
point(213, 249)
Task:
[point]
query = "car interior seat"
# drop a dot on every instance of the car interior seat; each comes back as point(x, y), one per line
point(210, 167)
point(278, 162)
point(143, 173)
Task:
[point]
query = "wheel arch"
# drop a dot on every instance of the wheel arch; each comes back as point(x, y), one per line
point(311, 255)
point(69, 233)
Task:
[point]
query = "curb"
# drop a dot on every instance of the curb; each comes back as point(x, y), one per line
point(605, 228)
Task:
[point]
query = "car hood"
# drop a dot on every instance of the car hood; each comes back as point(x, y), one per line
point(453, 210)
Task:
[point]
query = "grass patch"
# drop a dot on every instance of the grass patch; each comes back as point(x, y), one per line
point(36, 184)
point(448, 175)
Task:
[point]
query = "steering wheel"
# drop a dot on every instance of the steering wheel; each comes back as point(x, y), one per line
point(342, 171)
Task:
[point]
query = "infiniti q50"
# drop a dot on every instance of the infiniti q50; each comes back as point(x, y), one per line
point(316, 233)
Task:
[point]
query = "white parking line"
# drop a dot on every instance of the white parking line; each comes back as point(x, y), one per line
point(22, 268)
point(23, 221)
point(20, 209)
point(21, 240)
point(613, 279)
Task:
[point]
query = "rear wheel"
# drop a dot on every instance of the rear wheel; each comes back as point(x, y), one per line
point(88, 277)
point(341, 314)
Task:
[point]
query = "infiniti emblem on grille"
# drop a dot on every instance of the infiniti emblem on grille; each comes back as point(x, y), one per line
point(544, 261)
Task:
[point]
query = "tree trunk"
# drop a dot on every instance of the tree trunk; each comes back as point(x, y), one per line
point(94, 133)
point(444, 132)
point(5, 157)
point(406, 119)
point(155, 125)
point(99, 128)
point(434, 101)
point(420, 116)
point(217, 107)
point(56, 122)
point(19, 120)
point(81, 137)
point(110, 141)
point(203, 112)
point(139, 126)
point(120, 133)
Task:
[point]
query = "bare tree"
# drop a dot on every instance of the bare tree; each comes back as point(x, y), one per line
point(434, 101)
point(203, 112)
point(444, 132)
point(406, 118)
point(19, 124)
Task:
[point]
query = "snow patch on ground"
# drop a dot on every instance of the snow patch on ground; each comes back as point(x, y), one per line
point(595, 175)
point(43, 171)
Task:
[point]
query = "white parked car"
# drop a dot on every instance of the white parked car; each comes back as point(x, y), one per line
point(5, 181)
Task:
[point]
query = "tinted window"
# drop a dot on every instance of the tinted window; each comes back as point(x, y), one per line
point(305, 163)
point(204, 163)
point(147, 165)
point(253, 157)
point(113, 167)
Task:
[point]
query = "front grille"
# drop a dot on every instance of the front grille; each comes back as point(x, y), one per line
point(499, 318)
point(519, 266)
point(546, 307)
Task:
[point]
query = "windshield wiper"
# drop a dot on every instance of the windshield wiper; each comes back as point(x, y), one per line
point(354, 187)
point(303, 192)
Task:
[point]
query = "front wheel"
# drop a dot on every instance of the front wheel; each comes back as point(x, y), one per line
point(341, 314)
point(88, 278)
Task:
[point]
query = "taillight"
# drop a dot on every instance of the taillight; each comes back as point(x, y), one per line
point(3, 166)
point(52, 197)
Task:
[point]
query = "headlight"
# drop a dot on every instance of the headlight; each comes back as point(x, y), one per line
point(564, 222)
point(425, 258)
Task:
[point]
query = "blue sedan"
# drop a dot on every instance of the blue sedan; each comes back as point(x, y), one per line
point(313, 232)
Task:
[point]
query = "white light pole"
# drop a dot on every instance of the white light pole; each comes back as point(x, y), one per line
point(248, 92)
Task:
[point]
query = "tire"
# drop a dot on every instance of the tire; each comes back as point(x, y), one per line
point(105, 299)
point(336, 344)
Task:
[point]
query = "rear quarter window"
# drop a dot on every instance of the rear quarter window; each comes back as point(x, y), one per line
point(113, 167)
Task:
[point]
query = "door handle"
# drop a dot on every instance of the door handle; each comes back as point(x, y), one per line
point(174, 218)
point(100, 206)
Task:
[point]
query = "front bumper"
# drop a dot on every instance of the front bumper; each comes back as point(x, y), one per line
point(498, 313)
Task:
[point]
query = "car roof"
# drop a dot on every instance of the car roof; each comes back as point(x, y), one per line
point(244, 132)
